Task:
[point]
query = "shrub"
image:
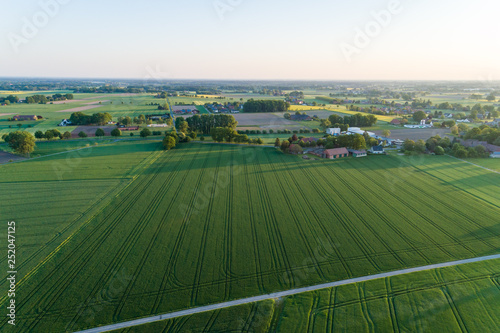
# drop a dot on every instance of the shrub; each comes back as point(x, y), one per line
point(116, 132)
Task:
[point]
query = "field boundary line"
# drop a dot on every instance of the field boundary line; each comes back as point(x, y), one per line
point(479, 166)
point(285, 293)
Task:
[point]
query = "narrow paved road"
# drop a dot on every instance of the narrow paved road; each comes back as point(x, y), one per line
point(282, 294)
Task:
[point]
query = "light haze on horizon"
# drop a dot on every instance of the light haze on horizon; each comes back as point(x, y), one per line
point(191, 39)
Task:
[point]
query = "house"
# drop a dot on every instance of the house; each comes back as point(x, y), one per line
point(333, 131)
point(396, 122)
point(65, 122)
point(132, 128)
point(357, 153)
point(377, 150)
point(300, 117)
point(23, 118)
point(495, 154)
point(332, 154)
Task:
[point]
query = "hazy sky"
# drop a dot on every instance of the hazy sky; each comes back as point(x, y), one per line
point(251, 39)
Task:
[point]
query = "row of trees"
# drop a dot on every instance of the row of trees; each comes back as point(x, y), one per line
point(484, 133)
point(52, 134)
point(79, 118)
point(9, 99)
point(205, 123)
point(42, 99)
point(254, 106)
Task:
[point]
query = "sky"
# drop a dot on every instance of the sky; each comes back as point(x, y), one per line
point(251, 39)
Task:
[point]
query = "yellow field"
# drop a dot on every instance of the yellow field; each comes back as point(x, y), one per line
point(340, 110)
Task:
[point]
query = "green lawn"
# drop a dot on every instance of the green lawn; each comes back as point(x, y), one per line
point(156, 232)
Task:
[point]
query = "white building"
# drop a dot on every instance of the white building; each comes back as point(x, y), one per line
point(333, 131)
point(65, 122)
point(357, 130)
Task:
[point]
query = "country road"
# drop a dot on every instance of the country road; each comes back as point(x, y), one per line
point(282, 294)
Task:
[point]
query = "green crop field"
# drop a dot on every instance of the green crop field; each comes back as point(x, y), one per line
point(206, 223)
point(453, 299)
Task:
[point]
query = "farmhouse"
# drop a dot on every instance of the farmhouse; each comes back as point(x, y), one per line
point(23, 118)
point(333, 131)
point(377, 150)
point(132, 128)
point(300, 117)
point(357, 130)
point(332, 154)
point(65, 122)
point(357, 153)
point(396, 122)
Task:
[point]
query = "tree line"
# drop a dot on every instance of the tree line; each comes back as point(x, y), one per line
point(254, 106)
point(205, 123)
point(79, 118)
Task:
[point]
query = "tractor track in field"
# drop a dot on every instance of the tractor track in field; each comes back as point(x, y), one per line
point(275, 230)
point(446, 217)
point(255, 239)
point(139, 268)
point(409, 206)
point(64, 281)
point(202, 309)
point(204, 236)
point(297, 223)
point(228, 234)
point(146, 161)
point(180, 237)
point(362, 219)
point(128, 244)
point(317, 218)
point(400, 233)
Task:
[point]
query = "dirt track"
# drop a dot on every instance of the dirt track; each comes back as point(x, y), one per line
point(81, 108)
point(6, 157)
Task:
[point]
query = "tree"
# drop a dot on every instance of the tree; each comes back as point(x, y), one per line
point(439, 150)
point(386, 133)
point(169, 142)
point(127, 121)
point(419, 116)
point(287, 115)
point(142, 119)
point(420, 146)
point(66, 135)
point(49, 135)
point(358, 142)
point(324, 124)
point(21, 142)
point(82, 134)
point(39, 135)
point(277, 143)
point(145, 132)
point(454, 130)
point(116, 132)
point(100, 132)
point(491, 98)
point(409, 145)
point(285, 145)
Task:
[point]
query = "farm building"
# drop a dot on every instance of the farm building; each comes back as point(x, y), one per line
point(357, 153)
point(396, 122)
point(357, 130)
point(495, 154)
point(333, 131)
point(23, 118)
point(132, 128)
point(300, 117)
point(377, 150)
point(65, 122)
point(332, 154)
